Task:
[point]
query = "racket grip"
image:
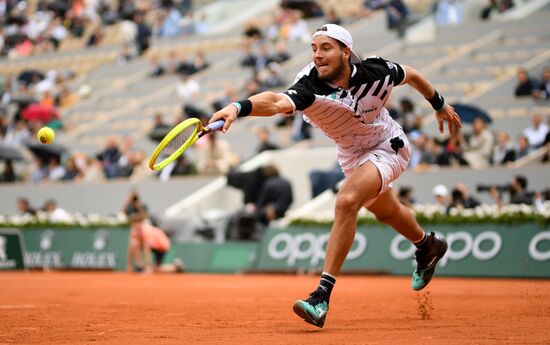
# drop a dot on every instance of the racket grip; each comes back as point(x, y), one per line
point(216, 125)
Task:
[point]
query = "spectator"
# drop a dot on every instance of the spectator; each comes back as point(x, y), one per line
point(275, 196)
point(56, 170)
point(449, 12)
point(405, 196)
point(479, 148)
point(72, 171)
point(270, 77)
point(536, 133)
point(249, 58)
point(40, 171)
point(264, 143)
point(252, 32)
point(8, 174)
point(461, 199)
point(522, 149)
point(215, 156)
point(322, 180)
point(24, 207)
point(171, 22)
point(156, 68)
point(499, 6)
point(172, 62)
point(517, 192)
point(143, 34)
point(504, 151)
point(441, 196)
point(526, 85)
point(543, 90)
point(55, 213)
point(187, 88)
point(397, 14)
point(281, 54)
point(145, 240)
point(249, 182)
point(200, 62)
point(110, 157)
point(134, 205)
point(411, 118)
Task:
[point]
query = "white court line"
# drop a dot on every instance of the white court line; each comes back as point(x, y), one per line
point(16, 306)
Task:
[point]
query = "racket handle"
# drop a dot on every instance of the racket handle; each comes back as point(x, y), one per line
point(216, 125)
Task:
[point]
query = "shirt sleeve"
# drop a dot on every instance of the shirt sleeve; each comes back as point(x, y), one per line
point(397, 72)
point(300, 95)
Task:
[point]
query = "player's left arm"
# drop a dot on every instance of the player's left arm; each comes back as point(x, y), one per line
point(443, 111)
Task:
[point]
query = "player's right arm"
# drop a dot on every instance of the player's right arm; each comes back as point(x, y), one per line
point(268, 103)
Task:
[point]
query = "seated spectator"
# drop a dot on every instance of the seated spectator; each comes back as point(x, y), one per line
point(405, 196)
point(8, 174)
point(522, 147)
point(173, 61)
point(200, 62)
point(230, 96)
point(281, 54)
point(24, 207)
point(134, 205)
point(441, 196)
point(215, 156)
point(543, 89)
point(156, 68)
point(252, 32)
point(187, 88)
point(504, 151)
point(275, 196)
point(56, 213)
point(109, 157)
point(496, 6)
point(478, 150)
point(264, 143)
point(249, 57)
point(449, 12)
point(526, 85)
point(143, 33)
point(411, 119)
point(160, 128)
point(185, 66)
point(517, 191)
point(322, 180)
point(270, 77)
point(72, 171)
point(56, 170)
point(461, 199)
point(40, 170)
point(536, 133)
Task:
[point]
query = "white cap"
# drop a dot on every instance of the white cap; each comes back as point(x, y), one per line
point(340, 34)
point(440, 190)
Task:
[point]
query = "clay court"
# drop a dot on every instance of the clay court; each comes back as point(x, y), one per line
point(120, 308)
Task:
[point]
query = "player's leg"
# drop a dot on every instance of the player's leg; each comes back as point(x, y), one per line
point(430, 249)
point(361, 185)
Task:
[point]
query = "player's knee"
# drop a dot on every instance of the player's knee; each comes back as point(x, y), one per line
point(348, 203)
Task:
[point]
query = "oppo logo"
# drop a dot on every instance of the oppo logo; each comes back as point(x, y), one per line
point(309, 246)
point(534, 252)
point(465, 241)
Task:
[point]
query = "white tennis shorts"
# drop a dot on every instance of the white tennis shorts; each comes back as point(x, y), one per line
point(389, 163)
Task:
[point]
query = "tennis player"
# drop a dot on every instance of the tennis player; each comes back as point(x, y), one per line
point(344, 96)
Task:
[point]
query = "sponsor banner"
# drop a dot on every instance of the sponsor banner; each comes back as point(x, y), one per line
point(474, 250)
point(11, 250)
point(215, 257)
point(103, 249)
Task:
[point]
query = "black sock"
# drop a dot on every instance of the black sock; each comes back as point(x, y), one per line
point(422, 243)
point(326, 284)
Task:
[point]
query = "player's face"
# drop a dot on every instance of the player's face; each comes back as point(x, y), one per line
point(329, 58)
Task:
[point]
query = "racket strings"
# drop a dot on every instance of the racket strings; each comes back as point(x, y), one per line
point(177, 142)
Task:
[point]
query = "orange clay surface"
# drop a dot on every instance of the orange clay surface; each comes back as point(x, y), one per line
point(122, 308)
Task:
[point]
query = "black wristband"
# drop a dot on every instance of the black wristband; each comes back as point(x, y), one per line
point(244, 107)
point(437, 101)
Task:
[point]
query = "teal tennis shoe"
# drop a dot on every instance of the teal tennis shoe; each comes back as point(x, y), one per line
point(313, 310)
point(426, 259)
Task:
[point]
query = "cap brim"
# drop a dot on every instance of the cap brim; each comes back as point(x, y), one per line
point(354, 58)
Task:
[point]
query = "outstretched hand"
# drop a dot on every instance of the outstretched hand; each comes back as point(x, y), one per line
point(448, 114)
point(228, 113)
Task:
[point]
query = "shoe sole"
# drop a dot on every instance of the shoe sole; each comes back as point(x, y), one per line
point(440, 255)
point(301, 312)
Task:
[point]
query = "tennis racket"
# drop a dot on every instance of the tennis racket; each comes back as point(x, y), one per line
point(179, 139)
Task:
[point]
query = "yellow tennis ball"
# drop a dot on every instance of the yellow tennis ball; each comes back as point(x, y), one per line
point(46, 135)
